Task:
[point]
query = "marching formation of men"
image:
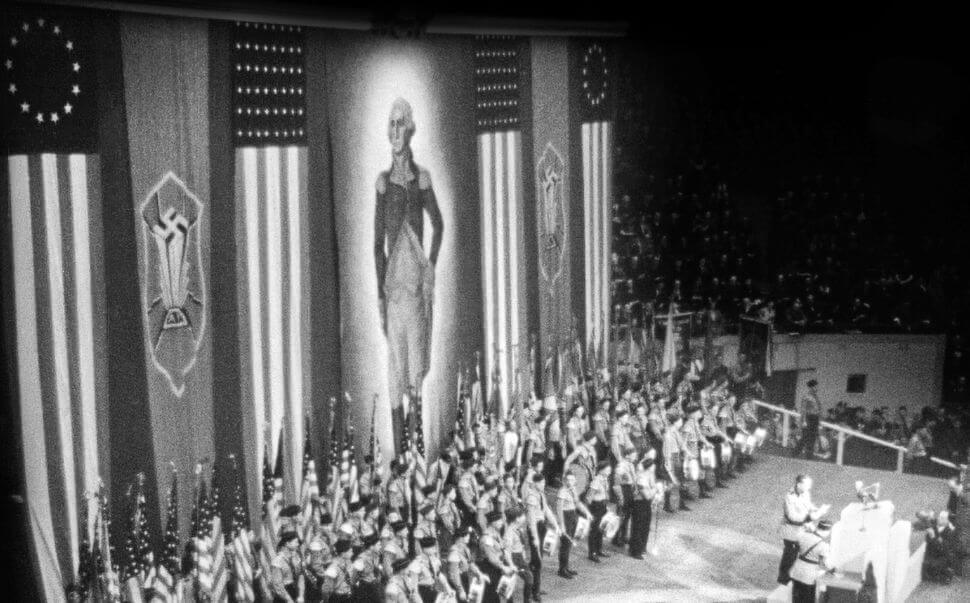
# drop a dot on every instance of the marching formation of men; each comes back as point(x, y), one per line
point(593, 462)
point(508, 495)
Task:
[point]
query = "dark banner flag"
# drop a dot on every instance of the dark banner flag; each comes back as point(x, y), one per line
point(754, 343)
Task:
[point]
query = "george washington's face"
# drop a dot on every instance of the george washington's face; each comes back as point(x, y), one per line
point(400, 127)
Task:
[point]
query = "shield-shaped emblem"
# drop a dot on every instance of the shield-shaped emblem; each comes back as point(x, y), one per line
point(550, 173)
point(173, 280)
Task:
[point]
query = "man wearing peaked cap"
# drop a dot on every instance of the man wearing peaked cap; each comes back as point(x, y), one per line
point(340, 576)
point(319, 556)
point(460, 562)
point(286, 574)
point(402, 586)
point(367, 571)
point(431, 579)
point(492, 556)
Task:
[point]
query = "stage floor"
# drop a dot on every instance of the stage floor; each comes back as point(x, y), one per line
point(727, 548)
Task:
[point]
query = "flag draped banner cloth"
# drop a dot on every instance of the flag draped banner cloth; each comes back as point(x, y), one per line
point(597, 156)
point(497, 74)
point(270, 138)
point(53, 187)
point(173, 188)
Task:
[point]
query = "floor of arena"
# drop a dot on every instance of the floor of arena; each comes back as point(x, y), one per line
point(727, 548)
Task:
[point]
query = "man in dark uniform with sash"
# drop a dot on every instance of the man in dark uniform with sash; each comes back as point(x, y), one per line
point(405, 275)
point(813, 548)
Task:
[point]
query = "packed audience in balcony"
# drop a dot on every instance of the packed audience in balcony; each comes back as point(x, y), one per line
point(816, 252)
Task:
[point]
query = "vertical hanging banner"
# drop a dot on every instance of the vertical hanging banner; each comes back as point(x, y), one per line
point(402, 126)
point(269, 131)
point(54, 189)
point(550, 115)
point(596, 133)
point(497, 61)
point(169, 157)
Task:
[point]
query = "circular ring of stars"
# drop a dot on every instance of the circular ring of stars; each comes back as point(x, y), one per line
point(40, 31)
point(595, 72)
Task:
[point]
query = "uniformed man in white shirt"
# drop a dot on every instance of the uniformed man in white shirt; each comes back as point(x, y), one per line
point(340, 576)
point(402, 586)
point(798, 512)
point(461, 565)
point(367, 570)
point(286, 573)
point(540, 518)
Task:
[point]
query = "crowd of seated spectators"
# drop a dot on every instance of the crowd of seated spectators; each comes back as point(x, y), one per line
point(824, 253)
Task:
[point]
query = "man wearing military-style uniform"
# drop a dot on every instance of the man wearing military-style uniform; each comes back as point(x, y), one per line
point(601, 426)
point(693, 441)
point(568, 508)
point(673, 458)
point(620, 435)
point(540, 518)
point(461, 567)
point(486, 502)
point(319, 557)
point(624, 479)
point(340, 576)
point(516, 543)
point(494, 560)
point(813, 548)
point(402, 586)
point(811, 414)
point(367, 571)
point(468, 488)
point(646, 491)
point(286, 571)
point(394, 547)
point(508, 496)
point(431, 579)
point(798, 512)
point(581, 462)
point(448, 515)
point(597, 495)
point(426, 525)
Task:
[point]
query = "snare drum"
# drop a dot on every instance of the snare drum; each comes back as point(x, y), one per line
point(550, 544)
point(760, 435)
point(610, 524)
point(707, 458)
point(692, 470)
point(506, 586)
point(582, 528)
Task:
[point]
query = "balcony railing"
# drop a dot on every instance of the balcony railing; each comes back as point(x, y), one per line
point(843, 433)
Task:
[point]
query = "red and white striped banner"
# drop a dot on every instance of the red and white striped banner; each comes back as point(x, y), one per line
point(597, 224)
point(59, 305)
point(500, 173)
point(271, 195)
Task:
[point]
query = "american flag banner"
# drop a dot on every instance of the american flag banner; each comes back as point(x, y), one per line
point(269, 134)
point(597, 151)
point(309, 490)
point(243, 560)
point(500, 177)
point(53, 185)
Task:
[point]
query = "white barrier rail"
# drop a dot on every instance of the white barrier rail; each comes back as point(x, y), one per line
point(843, 433)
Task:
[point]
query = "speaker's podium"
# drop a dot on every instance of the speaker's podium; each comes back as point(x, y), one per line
point(865, 539)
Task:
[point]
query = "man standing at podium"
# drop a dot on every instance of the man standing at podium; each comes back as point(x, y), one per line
point(797, 513)
point(813, 548)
